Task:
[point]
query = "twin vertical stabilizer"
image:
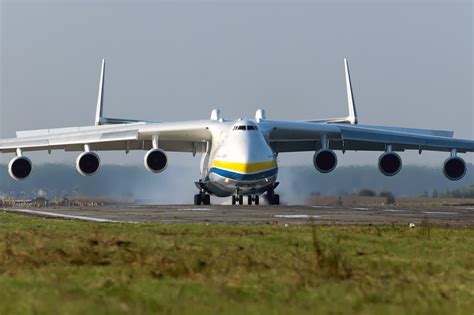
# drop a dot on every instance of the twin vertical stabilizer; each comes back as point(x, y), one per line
point(352, 118)
point(100, 96)
point(99, 114)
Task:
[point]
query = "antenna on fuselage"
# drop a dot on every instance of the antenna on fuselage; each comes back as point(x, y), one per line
point(216, 115)
point(260, 115)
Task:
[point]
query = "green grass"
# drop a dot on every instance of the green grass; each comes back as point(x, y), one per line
point(68, 267)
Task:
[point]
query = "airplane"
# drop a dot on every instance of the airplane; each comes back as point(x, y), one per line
point(239, 157)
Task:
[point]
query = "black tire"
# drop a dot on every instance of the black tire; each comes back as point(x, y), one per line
point(249, 200)
point(257, 200)
point(276, 199)
point(234, 201)
point(197, 200)
point(269, 197)
point(241, 200)
point(206, 200)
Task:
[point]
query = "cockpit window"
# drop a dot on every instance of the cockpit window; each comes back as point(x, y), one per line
point(243, 127)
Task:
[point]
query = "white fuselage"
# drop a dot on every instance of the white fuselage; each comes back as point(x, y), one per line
point(240, 162)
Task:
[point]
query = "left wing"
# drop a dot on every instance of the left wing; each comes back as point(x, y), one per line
point(346, 134)
point(305, 136)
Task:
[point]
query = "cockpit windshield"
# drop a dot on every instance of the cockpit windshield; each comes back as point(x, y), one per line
point(245, 127)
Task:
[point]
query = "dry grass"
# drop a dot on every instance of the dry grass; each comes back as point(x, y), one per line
point(71, 267)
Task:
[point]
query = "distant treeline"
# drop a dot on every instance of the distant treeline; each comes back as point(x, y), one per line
point(176, 184)
point(412, 181)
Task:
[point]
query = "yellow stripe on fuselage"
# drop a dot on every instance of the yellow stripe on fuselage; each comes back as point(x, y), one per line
point(245, 168)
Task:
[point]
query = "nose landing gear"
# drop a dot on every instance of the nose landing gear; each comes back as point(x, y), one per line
point(250, 198)
point(237, 199)
point(255, 199)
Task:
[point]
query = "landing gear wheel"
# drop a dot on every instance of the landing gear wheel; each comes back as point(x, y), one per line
point(234, 201)
point(257, 200)
point(197, 200)
point(276, 199)
point(273, 199)
point(206, 199)
point(241, 200)
point(249, 200)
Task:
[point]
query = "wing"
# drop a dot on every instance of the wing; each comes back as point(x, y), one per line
point(189, 136)
point(306, 136)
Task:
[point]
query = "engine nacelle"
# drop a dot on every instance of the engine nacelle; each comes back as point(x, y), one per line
point(454, 168)
point(156, 160)
point(20, 168)
point(390, 163)
point(88, 163)
point(325, 160)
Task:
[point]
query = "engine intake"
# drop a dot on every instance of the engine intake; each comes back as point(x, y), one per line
point(20, 168)
point(325, 160)
point(156, 160)
point(88, 163)
point(390, 163)
point(454, 168)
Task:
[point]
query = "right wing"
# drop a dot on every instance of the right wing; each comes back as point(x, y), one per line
point(191, 136)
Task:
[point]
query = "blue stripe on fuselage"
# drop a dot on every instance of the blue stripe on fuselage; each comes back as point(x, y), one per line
point(238, 176)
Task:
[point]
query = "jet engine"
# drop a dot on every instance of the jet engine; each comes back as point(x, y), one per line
point(325, 160)
point(88, 163)
point(20, 168)
point(454, 168)
point(390, 163)
point(156, 160)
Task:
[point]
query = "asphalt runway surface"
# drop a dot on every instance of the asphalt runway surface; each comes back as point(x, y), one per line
point(284, 214)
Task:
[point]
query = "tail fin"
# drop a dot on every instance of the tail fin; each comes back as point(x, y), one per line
point(350, 97)
point(100, 97)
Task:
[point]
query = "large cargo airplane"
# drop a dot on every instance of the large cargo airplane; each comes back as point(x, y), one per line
point(239, 157)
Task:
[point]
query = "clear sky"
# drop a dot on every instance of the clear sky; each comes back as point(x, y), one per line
point(411, 64)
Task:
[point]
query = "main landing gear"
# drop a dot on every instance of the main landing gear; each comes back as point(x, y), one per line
point(202, 199)
point(272, 198)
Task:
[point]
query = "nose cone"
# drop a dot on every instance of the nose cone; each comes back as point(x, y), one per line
point(245, 151)
point(248, 147)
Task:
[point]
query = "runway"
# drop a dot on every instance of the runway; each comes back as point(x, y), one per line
point(285, 214)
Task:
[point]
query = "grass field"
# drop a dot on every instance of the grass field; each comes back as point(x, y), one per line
point(69, 267)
